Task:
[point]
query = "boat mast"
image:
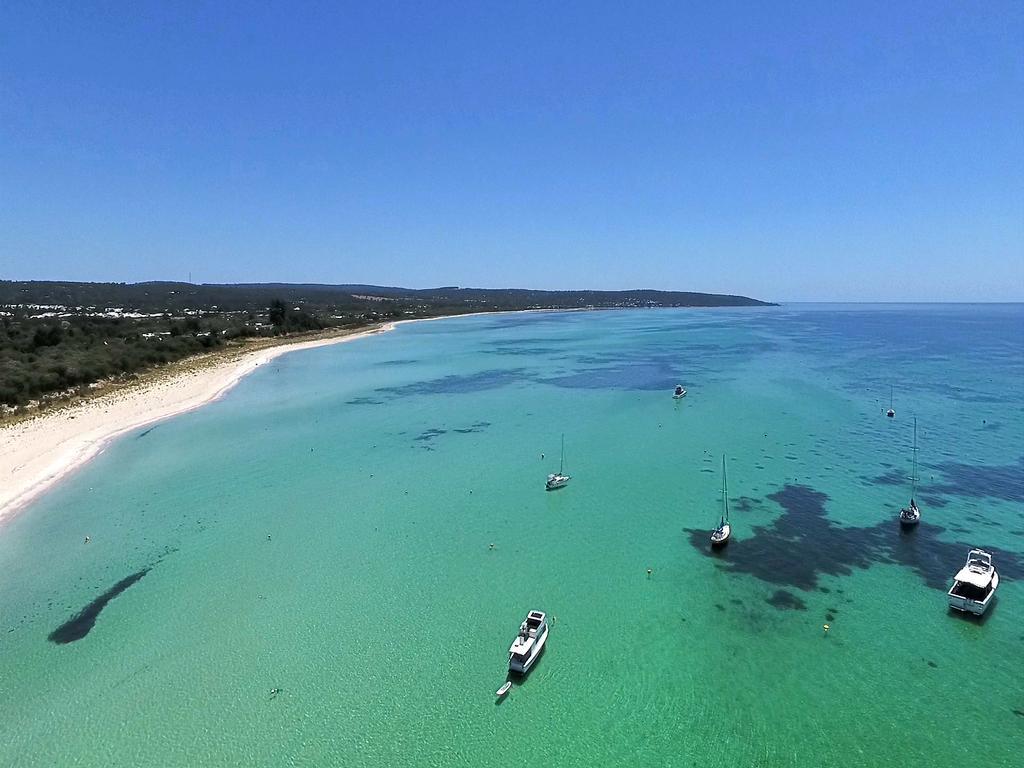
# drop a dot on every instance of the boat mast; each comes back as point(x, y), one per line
point(561, 461)
point(913, 475)
point(725, 492)
point(890, 397)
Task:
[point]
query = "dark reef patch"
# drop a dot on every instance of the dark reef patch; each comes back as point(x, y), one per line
point(785, 600)
point(968, 480)
point(143, 434)
point(459, 383)
point(982, 480)
point(388, 363)
point(639, 375)
point(802, 545)
point(429, 434)
point(81, 624)
point(364, 401)
point(523, 347)
point(746, 504)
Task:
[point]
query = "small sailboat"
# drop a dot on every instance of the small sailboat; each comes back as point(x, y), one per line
point(890, 413)
point(720, 536)
point(559, 479)
point(912, 515)
point(680, 392)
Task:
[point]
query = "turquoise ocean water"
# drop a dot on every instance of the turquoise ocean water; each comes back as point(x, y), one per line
point(324, 529)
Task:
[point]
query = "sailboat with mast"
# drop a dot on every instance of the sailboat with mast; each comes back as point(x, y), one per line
point(720, 536)
point(559, 479)
point(912, 515)
point(890, 413)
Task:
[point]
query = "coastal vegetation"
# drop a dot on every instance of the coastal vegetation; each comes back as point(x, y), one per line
point(59, 338)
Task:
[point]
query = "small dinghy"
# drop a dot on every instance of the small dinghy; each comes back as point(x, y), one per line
point(680, 393)
point(504, 689)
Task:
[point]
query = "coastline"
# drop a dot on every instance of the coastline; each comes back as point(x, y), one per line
point(38, 452)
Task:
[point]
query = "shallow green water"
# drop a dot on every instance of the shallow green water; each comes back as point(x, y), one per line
point(378, 609)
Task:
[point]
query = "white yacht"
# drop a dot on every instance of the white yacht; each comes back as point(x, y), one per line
point(680, 392)
point(975, 585)
point(912, 515)
point(533, 633)
point(720, 536)
point(558, 479)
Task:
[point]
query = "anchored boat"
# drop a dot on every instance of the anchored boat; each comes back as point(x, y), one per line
point(720, 536)
point(911, 515)
point(527, 647)
point(680, 393)
point(560, 479)
point(890, 413)
point(975, 584)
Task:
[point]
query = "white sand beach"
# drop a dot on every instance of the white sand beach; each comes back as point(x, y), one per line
point(37, 452)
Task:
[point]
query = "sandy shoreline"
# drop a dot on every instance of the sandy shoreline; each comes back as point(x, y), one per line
point(37, 453)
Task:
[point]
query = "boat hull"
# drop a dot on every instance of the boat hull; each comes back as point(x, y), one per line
point(521, 668)
point(967, 603)
point(721, 536)
point(909, 520)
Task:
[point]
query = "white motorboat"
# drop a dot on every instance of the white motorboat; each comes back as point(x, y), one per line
point(890, 413)
point(680, 393)
point(527, 647)
point(912, 515)
point(720, 536)
point(975, 584)
point(558, 479)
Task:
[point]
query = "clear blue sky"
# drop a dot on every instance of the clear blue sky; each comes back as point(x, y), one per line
point(814, 150)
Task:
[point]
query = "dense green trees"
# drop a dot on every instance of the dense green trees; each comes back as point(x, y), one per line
point(43, 356)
